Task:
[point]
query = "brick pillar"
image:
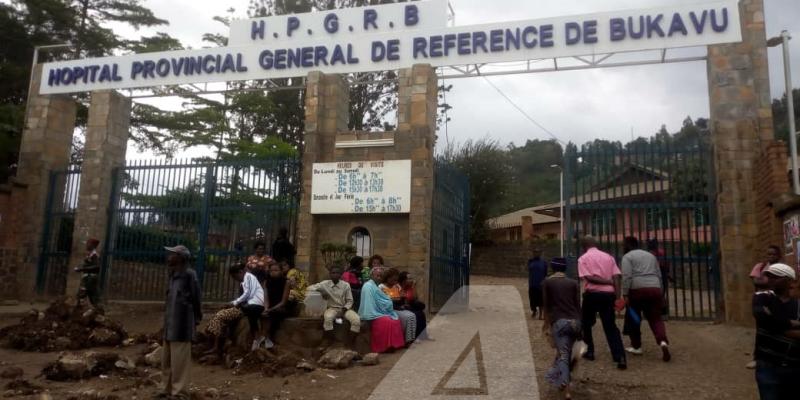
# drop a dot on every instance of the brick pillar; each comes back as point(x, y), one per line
point(327, 111)
point(773, 182)
point(527, 229)
point(417, 104)
point(45, 146)
point(741, 124)
point(104, 150)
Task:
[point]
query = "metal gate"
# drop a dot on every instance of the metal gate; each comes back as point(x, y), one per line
point(662, 192)
point(449, 269)
point(59, 219)
point(217, 209)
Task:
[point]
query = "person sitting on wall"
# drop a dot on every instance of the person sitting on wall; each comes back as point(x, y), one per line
point(376, 261)
point(391, 287)
point(385, 327)
point(351, 276)
point(250, 304)
point(408, 294)
point(258, 264)
point(339, 297)
point(298, 283)
point(278, 305)
point(89, 280)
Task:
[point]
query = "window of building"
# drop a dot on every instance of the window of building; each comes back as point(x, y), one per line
point(361, 240)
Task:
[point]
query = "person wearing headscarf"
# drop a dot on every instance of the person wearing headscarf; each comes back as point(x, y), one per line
point(391, 288)
point(386, 329)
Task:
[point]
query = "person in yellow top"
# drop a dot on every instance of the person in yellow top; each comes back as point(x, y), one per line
point(298, 282)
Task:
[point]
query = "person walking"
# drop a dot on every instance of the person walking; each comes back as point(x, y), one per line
point(777, 353)
point(759, 278)
point(601, 287)
point(537, 271)
point(182, 315)
point(561, 306)
point(90, 281)
point(641, 289)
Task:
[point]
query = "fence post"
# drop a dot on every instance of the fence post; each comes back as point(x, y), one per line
point(208, 193)
point(41, 269)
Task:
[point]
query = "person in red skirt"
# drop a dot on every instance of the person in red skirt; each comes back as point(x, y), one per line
point(377, 307)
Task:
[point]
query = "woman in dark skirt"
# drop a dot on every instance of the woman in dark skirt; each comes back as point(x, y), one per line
point(278, 305)
point(411, 303)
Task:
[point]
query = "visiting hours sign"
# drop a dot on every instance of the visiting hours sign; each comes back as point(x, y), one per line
point(394, 36)
point(361, 187)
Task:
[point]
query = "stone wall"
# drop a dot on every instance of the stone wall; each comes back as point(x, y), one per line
point(403, 239)
point(507, 259)
point(741, 124)
point(9, 266)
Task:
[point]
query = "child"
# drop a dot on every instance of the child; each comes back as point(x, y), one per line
point(339, 297)
point(297, 282)
point(89, 280)
point(250, 304)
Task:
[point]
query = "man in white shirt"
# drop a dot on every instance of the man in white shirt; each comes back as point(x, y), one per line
point(340, 303)
point(250, 304)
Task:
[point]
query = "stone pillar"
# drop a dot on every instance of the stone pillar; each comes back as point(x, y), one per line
point(416, 131)
point(106, 141)
point(327, 110)
point(45, 146)
point(741, 124)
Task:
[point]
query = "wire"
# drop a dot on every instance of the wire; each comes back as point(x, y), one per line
point(523, 112)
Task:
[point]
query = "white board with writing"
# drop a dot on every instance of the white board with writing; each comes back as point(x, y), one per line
point(361, 187)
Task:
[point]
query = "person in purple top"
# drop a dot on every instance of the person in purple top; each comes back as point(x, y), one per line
point(537, 272)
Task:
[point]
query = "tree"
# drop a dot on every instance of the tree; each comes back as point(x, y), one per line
point(487, 165)
point(83, 24)
point(780, 115)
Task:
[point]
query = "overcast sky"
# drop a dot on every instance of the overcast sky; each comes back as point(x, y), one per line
point(576, 106)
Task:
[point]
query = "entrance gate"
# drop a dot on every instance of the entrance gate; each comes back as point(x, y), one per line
point(449, 268)
point(219, 210)
point(59, 220)
point(661, 192)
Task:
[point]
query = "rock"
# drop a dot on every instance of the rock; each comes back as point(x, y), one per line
point(370, 359)
point(212, 393)
point(125, 364)
point(153, 358)
point(62, 343)
point(104, 337)
point(305, 366)
point(11, 373)
point(129, 342)
point(21, 387)
point(100, 362)
point(337, 359)
point(67, 367)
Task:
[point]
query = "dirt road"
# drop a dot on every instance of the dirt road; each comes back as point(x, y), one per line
point(708, 363)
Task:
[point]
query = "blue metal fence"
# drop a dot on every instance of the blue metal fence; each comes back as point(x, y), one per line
point(217, 209)
point(449, 235)
point(661, 191)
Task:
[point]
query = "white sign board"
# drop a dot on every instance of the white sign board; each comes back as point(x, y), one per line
point(347, 52)
point(361, 187)
point(322, 25)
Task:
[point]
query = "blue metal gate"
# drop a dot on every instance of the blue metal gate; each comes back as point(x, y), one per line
point(217, 209)
point(56, 241)
point(661, 192)
point(449, 269)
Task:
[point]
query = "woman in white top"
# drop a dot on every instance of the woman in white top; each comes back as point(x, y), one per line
point(250, 304)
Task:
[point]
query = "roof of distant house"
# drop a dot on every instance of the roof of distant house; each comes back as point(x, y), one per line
point(514, 219)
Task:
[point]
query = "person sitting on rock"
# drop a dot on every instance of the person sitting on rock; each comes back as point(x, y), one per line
point(250, 304)
point(89, 280)
point(391, 288)
point(278, 305)
point(339, 297)
point(385, 327)
point(410, 302)
point(298, 283)
point(258, 263)
point(352, 276)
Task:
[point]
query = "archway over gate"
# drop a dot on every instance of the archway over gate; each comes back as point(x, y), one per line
point(738, 92)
